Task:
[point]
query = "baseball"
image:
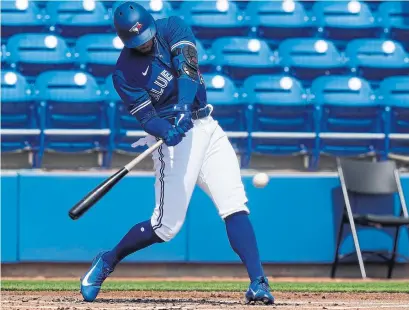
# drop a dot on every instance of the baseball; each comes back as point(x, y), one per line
point(260, 180)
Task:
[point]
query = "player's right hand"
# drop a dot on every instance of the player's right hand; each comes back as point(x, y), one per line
point(184, 120)
point(174, 136)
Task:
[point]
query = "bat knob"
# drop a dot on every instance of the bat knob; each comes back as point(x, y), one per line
point(73, 216)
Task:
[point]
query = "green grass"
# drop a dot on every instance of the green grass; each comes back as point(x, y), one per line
point(112, 285)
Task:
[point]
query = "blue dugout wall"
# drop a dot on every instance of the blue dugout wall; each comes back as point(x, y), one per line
point(293, 217)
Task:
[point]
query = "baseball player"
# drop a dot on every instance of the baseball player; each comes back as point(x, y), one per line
point(157, 76)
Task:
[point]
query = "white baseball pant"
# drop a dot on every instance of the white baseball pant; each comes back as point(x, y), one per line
point(204, 157)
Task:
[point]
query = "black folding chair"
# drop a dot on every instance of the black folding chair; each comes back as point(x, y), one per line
point(369, 180)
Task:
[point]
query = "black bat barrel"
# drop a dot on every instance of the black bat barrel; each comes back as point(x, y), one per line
point(96, 194)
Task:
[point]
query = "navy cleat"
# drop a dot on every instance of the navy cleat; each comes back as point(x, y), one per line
point(91, 282)
point(259, 290)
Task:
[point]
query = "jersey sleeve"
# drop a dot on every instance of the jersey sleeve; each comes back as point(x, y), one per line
point(178, 33)
point(136, 99)
point(184, 60)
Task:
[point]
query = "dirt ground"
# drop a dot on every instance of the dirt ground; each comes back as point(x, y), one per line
point(199, 300)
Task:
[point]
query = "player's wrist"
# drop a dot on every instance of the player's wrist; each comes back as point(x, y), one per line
point(157, 127)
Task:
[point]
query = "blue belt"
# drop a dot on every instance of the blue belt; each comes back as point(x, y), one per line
point(202, 113)
point(197, 114)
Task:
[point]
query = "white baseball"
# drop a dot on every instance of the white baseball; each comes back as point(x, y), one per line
point(260, 180)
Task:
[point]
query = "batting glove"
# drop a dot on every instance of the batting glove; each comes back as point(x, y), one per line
point(174, 136)
point(184, 120)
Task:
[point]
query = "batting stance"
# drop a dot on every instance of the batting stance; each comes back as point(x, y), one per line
point(157, 76)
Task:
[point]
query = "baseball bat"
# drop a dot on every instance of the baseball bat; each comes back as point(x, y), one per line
point(98, 192)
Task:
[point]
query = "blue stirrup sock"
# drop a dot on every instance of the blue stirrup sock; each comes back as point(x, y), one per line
point(140, 236)
point(243, 241)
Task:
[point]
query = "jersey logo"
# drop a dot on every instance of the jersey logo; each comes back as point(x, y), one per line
point(162, 81)
point(146, 71)
point(85, 281)
point(181, 117)
point(135, 28)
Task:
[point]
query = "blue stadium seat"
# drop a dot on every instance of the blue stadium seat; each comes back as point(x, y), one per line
point(376, 59)
point(20, 118)
point(309, 58)
point(32, 54)
point(229, 110)
point(394, 17)
point(213, 19)
point(345, 20)
point(241, 4)
point(158, 9)
point(240, 57)
point(205, 63)
point(98, 53)
point(278, 20)
point(126, 129)
point(351, 119)
point(394, 94)
point(76, 18)
point(20, 17)
point(282, 118)
point(77, 119)
point(4, 56)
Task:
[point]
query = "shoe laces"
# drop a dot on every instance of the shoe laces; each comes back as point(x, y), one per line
point(104, 274)
point(264, 285)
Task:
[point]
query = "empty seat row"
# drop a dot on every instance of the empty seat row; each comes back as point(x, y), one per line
point(67, 111)
point(237, 57)
point(212, 19)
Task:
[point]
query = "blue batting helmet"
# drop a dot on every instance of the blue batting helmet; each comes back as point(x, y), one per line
point(134, 24)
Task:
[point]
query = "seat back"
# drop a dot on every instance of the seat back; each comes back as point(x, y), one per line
point(126, 128)
point(18, 110)
point(348, 104)
point(394, 91)
point(394, 94)
point(98, 53)
point(343, 14)
point(79, 13)
point(242, 52)
point(14, 87)
point(277, 14)
point(39, 48)
point(101, 49)
point(73, 99)
point(124, 121)
point(224, 96)
point(19, 13)
point(376, 53)
point(241, 57)
point(309, 53)
point(213, 19)
point(75, 18)
point(211, 14)
point(158, 9)
point(394, 14)
point(369, 178)
point(205, 62)
point(278, 20)
point(280, 104)
point(20, 118)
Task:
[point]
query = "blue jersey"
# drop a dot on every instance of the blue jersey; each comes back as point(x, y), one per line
point(150, 79)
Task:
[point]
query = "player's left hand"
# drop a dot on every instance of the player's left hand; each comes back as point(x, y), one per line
point(184, 120)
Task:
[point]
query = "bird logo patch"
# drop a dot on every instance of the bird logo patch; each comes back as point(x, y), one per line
point(135, 28)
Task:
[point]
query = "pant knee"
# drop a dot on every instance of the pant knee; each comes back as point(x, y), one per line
point(236, 213)
point(230, 212)
point(165, 232)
